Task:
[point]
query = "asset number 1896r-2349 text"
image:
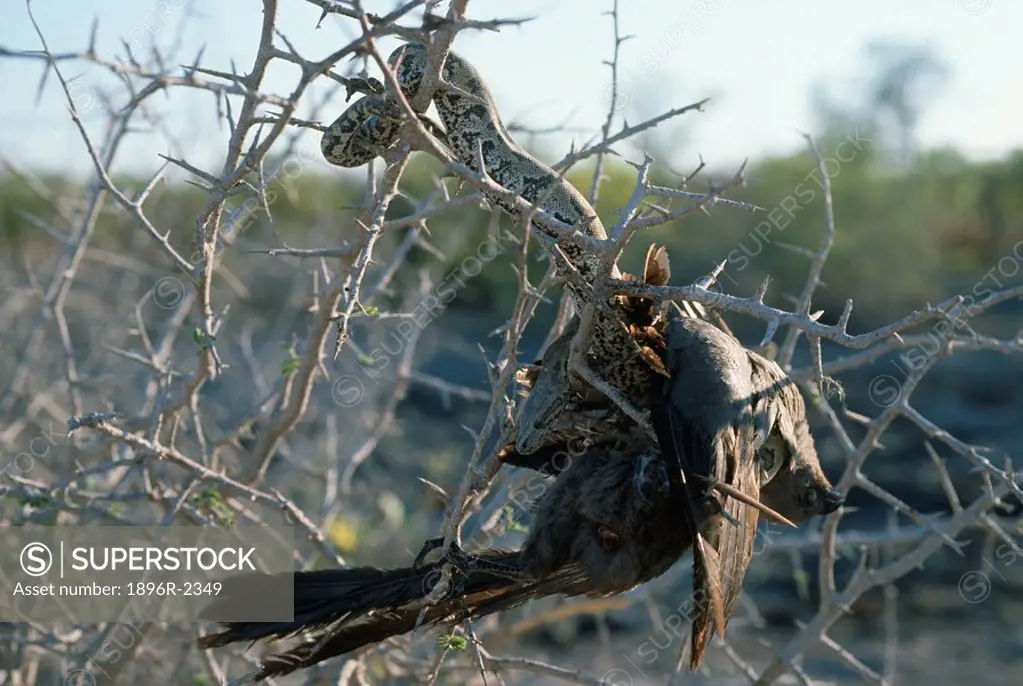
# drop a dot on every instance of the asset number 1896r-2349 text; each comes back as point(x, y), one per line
point(170, 588)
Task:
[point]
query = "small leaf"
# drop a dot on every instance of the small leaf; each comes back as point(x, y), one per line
point(452, 642)
point(290, 366)
point(292, 363)
point(514, 524)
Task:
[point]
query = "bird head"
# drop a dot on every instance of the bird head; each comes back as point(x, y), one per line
point(799, 489)
point(792, 481)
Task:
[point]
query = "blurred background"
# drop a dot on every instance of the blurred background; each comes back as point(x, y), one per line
point(914, 107)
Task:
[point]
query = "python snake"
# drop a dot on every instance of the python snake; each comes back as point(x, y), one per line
point(372, 124)
point(470, 117)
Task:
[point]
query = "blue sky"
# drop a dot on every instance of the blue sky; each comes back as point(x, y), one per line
point(757, 60)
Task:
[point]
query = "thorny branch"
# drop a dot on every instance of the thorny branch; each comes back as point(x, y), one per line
point(153, 440)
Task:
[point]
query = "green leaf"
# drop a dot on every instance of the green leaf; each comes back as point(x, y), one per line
point(292, 363)
point(514, 524)
point(452, 642)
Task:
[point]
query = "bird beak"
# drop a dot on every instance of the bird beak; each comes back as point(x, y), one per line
point(832, 500)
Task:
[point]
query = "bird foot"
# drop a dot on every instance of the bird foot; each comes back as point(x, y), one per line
point(465, 563)
point(428, 547)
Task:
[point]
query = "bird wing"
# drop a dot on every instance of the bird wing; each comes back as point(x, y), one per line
point(732, 536)
point(676, 436)
point(685, 446)
point(706, 427)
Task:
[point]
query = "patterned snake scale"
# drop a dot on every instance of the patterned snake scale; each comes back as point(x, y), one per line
point(467, 110)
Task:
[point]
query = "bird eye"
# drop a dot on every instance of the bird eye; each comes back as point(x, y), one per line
point(770, 458)
point(609, 538)
point(766, 458)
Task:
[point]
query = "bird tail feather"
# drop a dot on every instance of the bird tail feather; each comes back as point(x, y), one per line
point(345, 609)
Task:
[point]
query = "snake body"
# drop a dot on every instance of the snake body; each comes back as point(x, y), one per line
point(474, 129)
point(472, 122)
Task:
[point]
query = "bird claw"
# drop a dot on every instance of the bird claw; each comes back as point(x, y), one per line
point(463, 562)
point(428, 547)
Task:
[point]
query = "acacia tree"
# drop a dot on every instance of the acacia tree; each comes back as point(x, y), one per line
point(173, 416)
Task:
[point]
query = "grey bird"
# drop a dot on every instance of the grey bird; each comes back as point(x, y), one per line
point(737, 433)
